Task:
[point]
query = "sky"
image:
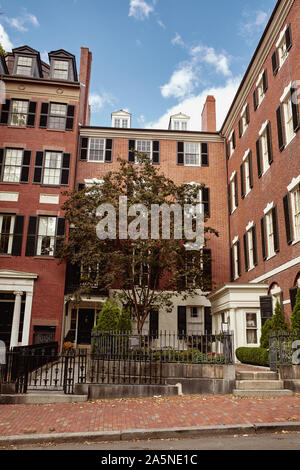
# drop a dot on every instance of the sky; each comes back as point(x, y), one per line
point(152, 58)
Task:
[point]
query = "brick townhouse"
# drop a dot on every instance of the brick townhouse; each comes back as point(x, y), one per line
point(250, 169)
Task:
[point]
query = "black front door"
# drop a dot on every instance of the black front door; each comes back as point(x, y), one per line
point(6, 318)
point(85, 324)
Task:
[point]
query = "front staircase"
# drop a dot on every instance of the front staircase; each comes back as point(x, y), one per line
point(259, 384)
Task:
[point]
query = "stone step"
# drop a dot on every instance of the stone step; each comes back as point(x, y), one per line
point(259, 384)
point(262, 393)
point(257, 375)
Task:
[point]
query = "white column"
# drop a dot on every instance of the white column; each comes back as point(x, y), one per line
point(27, 319)
point(14, 338)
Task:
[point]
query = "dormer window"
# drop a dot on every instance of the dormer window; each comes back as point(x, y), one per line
point(61, 69)
point(122, 123)
point(121, 119)
point(179, 122)
point(24, 66)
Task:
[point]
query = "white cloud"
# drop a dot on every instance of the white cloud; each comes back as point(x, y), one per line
point(161, 24)
point(45, 57)
point(177, 40)
point(193, 106)
point(181, 83)
point(20, 22)
point(98, 102)
point(252, 25)
point(209, 56)
point(4, 40)
point(140, 9)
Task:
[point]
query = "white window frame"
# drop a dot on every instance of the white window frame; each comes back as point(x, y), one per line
point(19, 111)
point(197, 155)
point(231, 148)
point(51, 235)
point(60, 70)
point(235, 259)
point(51, 172)
point(295, 200)
point(260, 90)
point(281, 48)
point(27, 67)
point(140, 143)
point(121, 122)
point(57, 116)
point(244, 120)
point(264, 151)
point(232, 193)
point(18, 165)
point(194, 312)
point(10, 234)
point(286, 101)
point(251, 326)
point(270, 235)
point(247, 177)
point(250, 245)
point(91, 143)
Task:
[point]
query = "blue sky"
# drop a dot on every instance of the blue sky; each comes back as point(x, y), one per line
point(153, 58)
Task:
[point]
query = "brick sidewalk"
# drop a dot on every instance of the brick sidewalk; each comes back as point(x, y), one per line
point(146, 413)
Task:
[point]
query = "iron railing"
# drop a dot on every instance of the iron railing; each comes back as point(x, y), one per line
point(282, 349)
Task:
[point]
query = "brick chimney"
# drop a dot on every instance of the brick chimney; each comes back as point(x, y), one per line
point(84, 78)
point(209, 123)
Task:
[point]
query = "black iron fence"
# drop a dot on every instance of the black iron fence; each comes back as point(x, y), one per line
point(284, 349)
point(114, 358)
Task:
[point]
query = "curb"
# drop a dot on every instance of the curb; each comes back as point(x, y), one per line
point(144, 434)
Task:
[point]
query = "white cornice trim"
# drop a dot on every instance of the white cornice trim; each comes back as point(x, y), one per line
point(286, 92)
point(249, 226)
point(293, 184)
point(268, 207)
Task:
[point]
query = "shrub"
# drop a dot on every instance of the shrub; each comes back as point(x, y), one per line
point(108, 317)
point(295, 318)
point(254, 356)
point(278, 319)
point(124, 323)
point(265, 332)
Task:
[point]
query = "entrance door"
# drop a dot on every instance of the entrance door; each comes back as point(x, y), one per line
point(86, 319)
point(6, 318)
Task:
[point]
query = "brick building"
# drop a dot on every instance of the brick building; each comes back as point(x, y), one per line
point(250, 168)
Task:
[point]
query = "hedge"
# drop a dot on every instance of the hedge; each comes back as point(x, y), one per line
point(253, 356)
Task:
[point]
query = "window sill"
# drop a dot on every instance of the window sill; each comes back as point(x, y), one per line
point(44, 257)
point(291, 139)
point(270, 257)
point(55, 130)
point(265, 171)
point(233, 211)
point(296, 241)
point(251, 269)
point(11, 126)
point(5, 255)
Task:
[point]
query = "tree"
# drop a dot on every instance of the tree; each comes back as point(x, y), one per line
point(144, 271)
point(2, 51)
point(267, 328)
point(108, 318)
point(278, 320)
point(295, 318)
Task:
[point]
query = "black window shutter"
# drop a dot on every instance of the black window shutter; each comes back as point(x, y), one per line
point(258, 154)
point(242, 181)
point(31, 236)
point(153, 323)
point(236, 190)
point(65, 171)
point(70, 117)
point(44, 115)
point(181, 320)
point(247, 114)
point(204, 154)
point(155, 152)
point(227, 150)
point(207, 320)
point(206, 201)
point(238, 244)
point(60, 233)
point(84, 144)
point(288, 38)
point(275, 64)
point(255, 99)
point(5, 112)
point(240, 128)
point(131, 151)
point(295, 108)
point(250, 169)
point(38, 167)
point(231, 264)
point(287, 217)
point(1, 162)
point(263, 238)
point(18, 236)
point(25, 166)
point(233, 140)
point(281, 139)
point(293, 294)
point(275, 229)
point(255, 261)
point(265, 81)
point(31, 114)
point(266, 308)
point(108, 150)
point(269, 142)
point(246, 251)
point(180, 153)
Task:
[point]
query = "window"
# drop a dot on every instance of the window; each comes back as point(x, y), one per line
point(46, 236)
point(244, 120)
point(233, 193)
point(287, 116)
point(291, 206)
point(250, 248)
point(192, 153)
point(283, 47)
point(260, 89)
point(7, 223)
point(96, 150)
point(52, 168)
point(264, 150)
point(24, 66)
point(61, 69)
point(58, 115)
point(120, 122)
point(148, 147)
point(19, 112)
point(231, 144)
point(246, 174)
point(144, 146)
point(12, 166)
point(269, 229)
point(235, 259)
point(179, 125)
point(251, 328)
point(194, 312)
point(296, 212)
